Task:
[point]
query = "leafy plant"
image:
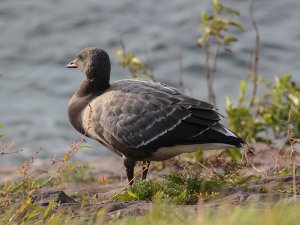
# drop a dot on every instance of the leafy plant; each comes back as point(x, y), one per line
point(137, 68)
point(184, 188)
point(214, 31)
point(270, 116)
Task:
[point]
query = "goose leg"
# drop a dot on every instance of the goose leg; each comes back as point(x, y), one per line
point(146, 165)
point(129, 164)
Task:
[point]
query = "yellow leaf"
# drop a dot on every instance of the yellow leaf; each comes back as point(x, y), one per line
point(83, 200)
point(25, 204)
point(217, 5)
point(228, 101)
point(135, 60)
point(49, 207)
point(131, 194)
point(119, 53)
point(200, 42)
point(294, 99)
point(85, 146)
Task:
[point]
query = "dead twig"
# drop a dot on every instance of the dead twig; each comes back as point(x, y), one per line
point(292, 141)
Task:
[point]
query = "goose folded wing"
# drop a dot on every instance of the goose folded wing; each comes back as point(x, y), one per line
point(150, 119)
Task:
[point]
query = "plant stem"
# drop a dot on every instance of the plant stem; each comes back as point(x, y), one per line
point(148, 65)
point(214, 69)
point(255, 55)
point(208, 75)
point(181, 84)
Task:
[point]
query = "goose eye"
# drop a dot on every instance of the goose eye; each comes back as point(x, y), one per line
point(81, 57)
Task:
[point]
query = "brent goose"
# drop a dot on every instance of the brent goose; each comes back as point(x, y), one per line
point(141, 120)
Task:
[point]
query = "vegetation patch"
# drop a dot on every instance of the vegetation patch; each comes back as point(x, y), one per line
point(77, 174)
point(185, 188)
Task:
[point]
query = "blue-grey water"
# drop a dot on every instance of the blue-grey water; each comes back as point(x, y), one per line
point(37, 39)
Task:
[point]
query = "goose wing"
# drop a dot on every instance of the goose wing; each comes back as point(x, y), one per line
point(150, 115)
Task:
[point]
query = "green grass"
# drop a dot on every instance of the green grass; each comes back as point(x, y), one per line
point(184, 188)
point(225, 215)
point(77, 174)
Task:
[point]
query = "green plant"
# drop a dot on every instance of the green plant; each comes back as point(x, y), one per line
point(2, 133)
point(137, 68)
point(77, 174)
point(16, 197)
point(214, 32)
point(185, 188)
point(3, 146)
point(268, 119)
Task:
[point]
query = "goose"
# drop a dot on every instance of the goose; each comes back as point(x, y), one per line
point(142, 120)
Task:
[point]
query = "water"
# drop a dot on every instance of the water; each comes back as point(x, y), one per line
point(38, 38)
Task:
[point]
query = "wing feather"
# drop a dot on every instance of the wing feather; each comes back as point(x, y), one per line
point(141, 114)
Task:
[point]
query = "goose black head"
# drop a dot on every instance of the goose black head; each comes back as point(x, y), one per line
point(94, 62)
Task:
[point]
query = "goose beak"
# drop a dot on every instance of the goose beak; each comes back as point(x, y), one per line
point(72, 64)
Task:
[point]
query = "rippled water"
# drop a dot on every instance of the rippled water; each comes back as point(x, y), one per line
point(38, 38)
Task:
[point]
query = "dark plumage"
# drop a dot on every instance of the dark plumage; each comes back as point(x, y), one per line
point(141, 120)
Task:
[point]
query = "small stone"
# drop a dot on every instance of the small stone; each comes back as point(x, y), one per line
point(43, 198)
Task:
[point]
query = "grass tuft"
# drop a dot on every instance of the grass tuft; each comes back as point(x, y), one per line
point(184, 188)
